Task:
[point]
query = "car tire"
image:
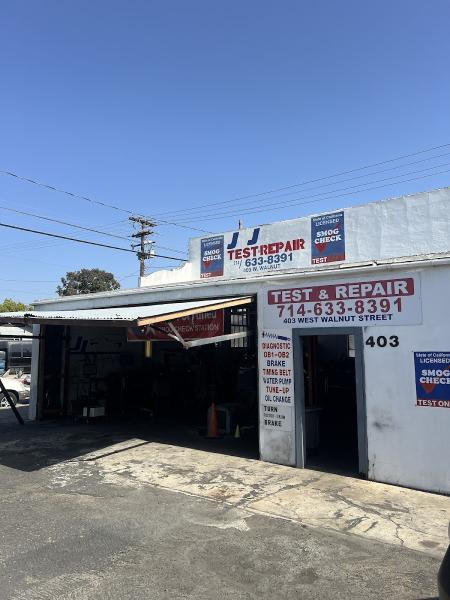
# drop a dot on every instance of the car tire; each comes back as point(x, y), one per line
point(4, 402)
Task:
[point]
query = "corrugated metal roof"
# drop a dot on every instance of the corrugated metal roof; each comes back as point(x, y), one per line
point(129, 315)
point(14, 332)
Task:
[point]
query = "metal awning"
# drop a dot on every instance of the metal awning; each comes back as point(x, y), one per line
point(130, 316)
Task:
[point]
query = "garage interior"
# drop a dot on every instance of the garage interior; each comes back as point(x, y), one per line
point(103, 374)
point(330, 403)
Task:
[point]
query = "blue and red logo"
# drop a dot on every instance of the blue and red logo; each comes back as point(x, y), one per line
point(327, 238)
point(211, 257)
point(432, 379)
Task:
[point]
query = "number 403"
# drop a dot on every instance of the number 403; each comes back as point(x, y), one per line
point(382, 341)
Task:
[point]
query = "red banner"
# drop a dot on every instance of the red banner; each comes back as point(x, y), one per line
point(193, 327)
point(381, 288)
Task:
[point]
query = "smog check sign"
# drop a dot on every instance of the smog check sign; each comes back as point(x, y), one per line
point(393, 301)
point(432, 379)
point(327, 238)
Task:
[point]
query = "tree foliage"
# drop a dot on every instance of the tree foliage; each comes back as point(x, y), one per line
point(10, 305)
point(87, 281)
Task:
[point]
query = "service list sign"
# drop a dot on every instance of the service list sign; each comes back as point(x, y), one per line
point(432, 379)
point(276, 380)
point(393, 301)
point(327, 238)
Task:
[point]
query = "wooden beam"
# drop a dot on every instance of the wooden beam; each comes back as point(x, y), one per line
point(193, 311)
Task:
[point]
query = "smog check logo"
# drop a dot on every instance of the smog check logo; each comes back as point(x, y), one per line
point(211, 257)
point(327, 238)
point(255, 256)
point(432, 379)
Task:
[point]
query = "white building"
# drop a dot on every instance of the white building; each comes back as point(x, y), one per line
point(347, 312)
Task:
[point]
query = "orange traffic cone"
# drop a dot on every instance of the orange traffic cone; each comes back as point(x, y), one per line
point(213, 427)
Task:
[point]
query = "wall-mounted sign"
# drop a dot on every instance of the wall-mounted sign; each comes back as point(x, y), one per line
point(276, 379)
point(277, 417)
point(327, 238)
point(193, 327)
point(211, 257)
point(345, 304)
point(432, 379)
point(255, 251)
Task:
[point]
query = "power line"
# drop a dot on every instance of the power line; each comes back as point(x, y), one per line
point(28, 214)
point(29, 280)
point(267, 201)
point(64, 237)
point(171, 249)
point(348, 172)
point(61, 191)
point(87, 199)
point(281, 206)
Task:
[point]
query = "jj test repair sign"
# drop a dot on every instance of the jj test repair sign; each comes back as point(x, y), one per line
point(383, 301)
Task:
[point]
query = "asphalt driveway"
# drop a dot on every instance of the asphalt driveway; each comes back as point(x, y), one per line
point(107, 513)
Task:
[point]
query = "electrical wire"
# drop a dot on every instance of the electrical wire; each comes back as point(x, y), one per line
point(183, 223)
point(91, 200)
point(280, 189)
point(267, 201)
point(64, 237)
point(28, 214)
point(172, 249)
point(29, 280)
point(312, 199)
point(349, 193)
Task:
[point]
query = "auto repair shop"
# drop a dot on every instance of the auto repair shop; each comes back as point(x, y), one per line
point(323, 339)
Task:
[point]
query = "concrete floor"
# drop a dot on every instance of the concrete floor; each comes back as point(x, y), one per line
point(107, 513)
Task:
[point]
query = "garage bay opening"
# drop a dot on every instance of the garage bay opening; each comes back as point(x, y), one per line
point(333, 403)
point(162, 378)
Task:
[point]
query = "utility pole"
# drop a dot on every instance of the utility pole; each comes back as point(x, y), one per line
point(146, 229)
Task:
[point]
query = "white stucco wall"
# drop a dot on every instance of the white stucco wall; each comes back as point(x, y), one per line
point(407, 444)
point(412, 225)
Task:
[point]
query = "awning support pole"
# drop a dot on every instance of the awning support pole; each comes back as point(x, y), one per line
point(10, 402)
point(177, 334)
point(220, 338)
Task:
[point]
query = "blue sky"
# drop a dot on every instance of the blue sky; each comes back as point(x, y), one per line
point(158, 106)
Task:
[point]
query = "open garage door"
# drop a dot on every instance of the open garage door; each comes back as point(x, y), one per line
point(160, 366)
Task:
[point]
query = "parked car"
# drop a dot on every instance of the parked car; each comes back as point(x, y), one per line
point(444, 575)
point(17, 390)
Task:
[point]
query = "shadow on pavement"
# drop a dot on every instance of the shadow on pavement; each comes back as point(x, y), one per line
point(40, 444)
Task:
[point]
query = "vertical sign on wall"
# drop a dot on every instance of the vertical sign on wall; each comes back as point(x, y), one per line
point(276, 379)
point(211, 256)
point(432, 379)
point(327, 238)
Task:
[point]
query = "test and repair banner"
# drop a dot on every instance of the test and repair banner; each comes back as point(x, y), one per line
point(393, 301)
point(255, 250)
point(327, 238)
point(276, 379)
point(432, 379)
